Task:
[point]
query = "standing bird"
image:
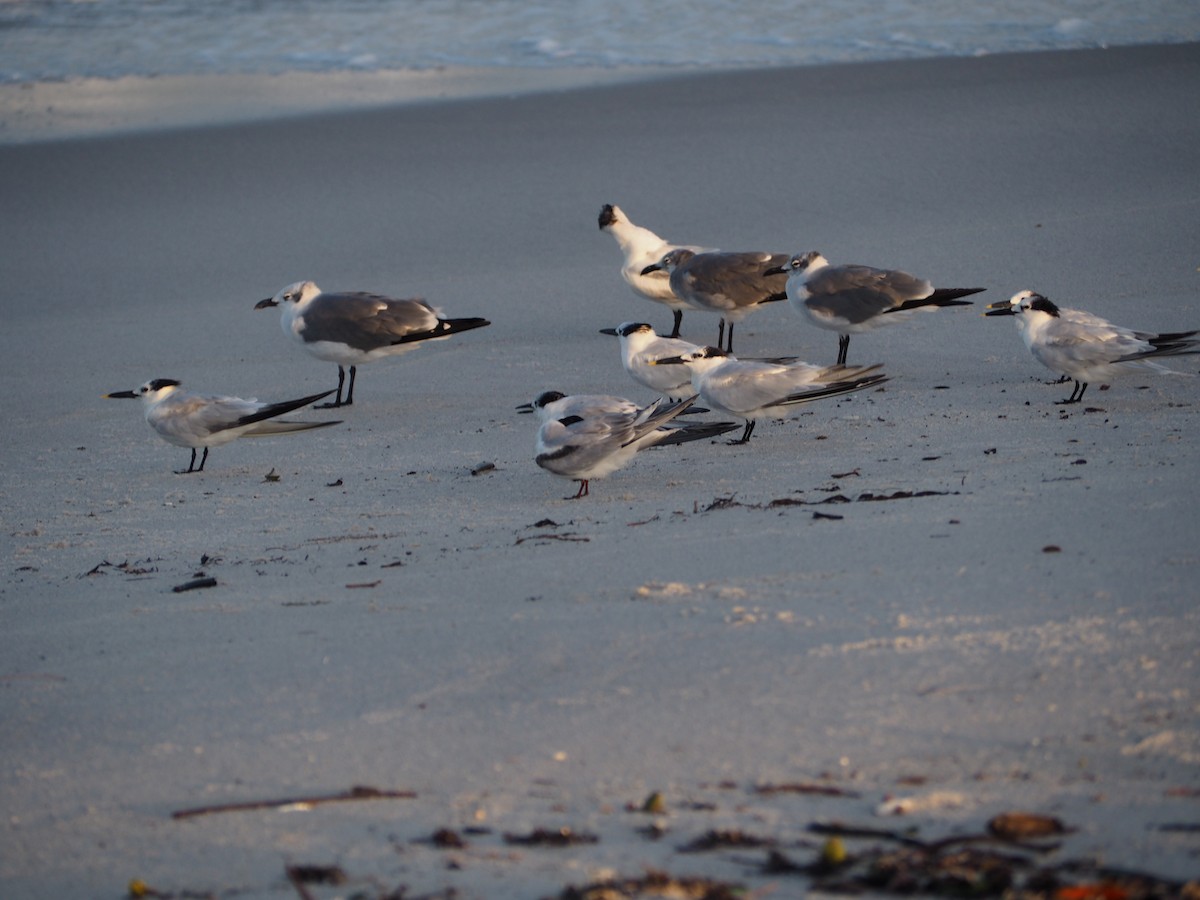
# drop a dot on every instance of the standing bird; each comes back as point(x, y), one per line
point(730, 284)
point(851, 299)
point(355, 328)
point(205, 420)
point(1085, 347)
point(588, 436)
point(640, 347)
point(753, 389)
point(641, 247)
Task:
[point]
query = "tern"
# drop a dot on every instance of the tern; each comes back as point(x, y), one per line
point(730, 284)
point(641, 247)
point(851, 299)
point(754, 389)
point(588, 436)
point(1085, 347)
point(206, 420)
point(355, 328)
point(640, 346)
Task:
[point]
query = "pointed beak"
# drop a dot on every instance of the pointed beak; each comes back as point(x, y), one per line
point(525, 408)
point(668, 361)
point(775, 270)
point(611, 331)
point(120, 395)
point(653, 267)
point(1002, 308)
point(263, 304)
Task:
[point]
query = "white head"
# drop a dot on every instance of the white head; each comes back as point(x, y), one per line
point(635, 332)
point(1023, 304)
point(293, 294)
point(671, 261)
point(698, 360)
point(150, 393)
point(538, 405)
point(805, 263)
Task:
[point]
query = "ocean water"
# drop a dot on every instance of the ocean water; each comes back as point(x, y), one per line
point(47, 40)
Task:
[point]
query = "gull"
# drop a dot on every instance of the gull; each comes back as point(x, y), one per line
point(731, 284)
point(208, 420)
point(640, 346)
point(355, 328)
point(851, 299)
point(588, 436)
point(1086, 348)
point(754, 389)
point(641, 247)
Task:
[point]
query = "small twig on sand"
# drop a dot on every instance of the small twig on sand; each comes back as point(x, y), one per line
point(355, 793)
point(195, 583)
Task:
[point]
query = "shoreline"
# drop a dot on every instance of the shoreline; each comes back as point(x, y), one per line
point(75, 109)
point(98, 107)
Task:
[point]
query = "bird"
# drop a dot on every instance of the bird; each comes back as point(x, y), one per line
point(588, 436)
point(640, 345)
point(1085, 347)
point(851, 299)
point(556, 405)
point(641, 247)
point(754, 389)
point(208, 420)
point(730, 284)
point(355, 328)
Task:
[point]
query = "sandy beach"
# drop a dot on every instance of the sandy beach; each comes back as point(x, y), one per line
point(996, 615)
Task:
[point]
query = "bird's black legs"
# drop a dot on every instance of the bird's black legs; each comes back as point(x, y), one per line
point(1076, 394)
point(349, 394)
point(843, 347)
point(678, 313)
point(721, 343)
point(727, 346)
point(745, 438)
point(192, 465)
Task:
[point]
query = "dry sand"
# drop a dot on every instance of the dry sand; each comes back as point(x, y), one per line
point(1022, 635)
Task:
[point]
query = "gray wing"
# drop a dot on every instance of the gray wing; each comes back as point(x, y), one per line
point(568, 447)
point(191, 419)
point(366, 321)
point(1086, 342)
point(733, 279)
point(743, 386)
point(859, 293)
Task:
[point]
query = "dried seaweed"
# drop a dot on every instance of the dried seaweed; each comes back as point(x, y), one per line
point(655, 884)
point(547, 837)
point(961, 866)
point(547, 536)
point(723, 839)
point(866, 497)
